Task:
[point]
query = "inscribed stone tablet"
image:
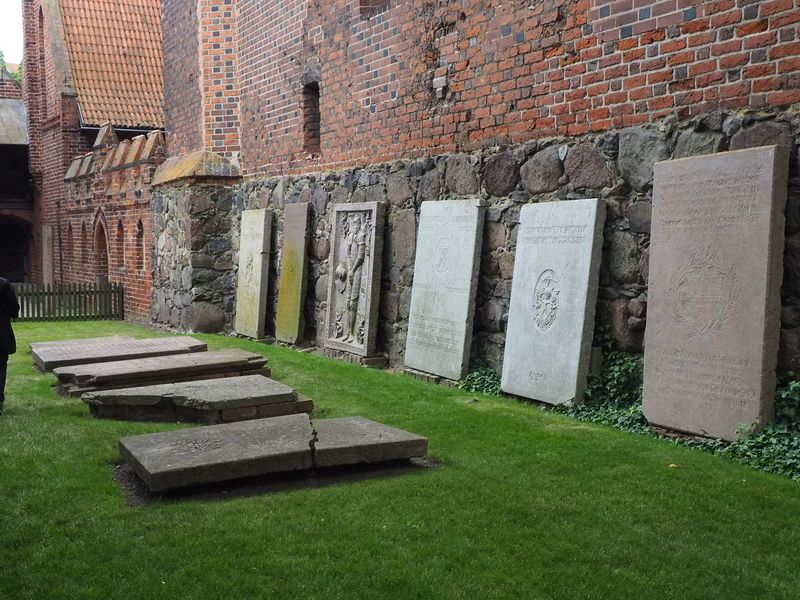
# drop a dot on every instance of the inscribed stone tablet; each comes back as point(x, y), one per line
point(355, 277)
point(443, 294)
point(176, 459)
point(553, 297)
point(292, 286)
point(714, 300)
point(251, 286)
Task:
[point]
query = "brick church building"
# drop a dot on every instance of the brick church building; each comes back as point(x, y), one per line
point(266, 103)
point(93, 88)
point(401, 102)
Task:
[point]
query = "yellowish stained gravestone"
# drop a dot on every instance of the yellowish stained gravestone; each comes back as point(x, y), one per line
point(292, 284)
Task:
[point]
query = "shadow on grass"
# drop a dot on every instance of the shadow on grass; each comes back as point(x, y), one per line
point(137, 494)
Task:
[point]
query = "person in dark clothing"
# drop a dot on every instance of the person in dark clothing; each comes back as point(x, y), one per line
point(9, 309)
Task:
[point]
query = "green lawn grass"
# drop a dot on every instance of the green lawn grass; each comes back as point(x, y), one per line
point(527, 504)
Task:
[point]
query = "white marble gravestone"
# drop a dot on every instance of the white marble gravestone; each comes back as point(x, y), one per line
point(716, 264)
point(553, 297)
point(443, 293)
point(354, 277)
point(251, 285)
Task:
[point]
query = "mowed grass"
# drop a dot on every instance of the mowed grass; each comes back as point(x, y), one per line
point(526, 504)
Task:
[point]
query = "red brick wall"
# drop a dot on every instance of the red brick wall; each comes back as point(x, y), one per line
point(183, 105)
point(219, 76)
point(413, 78)
point(109, 200)
point(9, 88)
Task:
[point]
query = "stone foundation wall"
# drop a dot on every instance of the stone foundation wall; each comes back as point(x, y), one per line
point(616, 166)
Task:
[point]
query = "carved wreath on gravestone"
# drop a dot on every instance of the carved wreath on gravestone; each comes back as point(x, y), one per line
point(194, 446)
point(703, 293)
point(546, 299)
point(351, 272)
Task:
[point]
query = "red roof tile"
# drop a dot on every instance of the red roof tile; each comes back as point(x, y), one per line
point(114, 48)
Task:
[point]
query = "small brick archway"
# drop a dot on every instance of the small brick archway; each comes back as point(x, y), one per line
point(100, 250)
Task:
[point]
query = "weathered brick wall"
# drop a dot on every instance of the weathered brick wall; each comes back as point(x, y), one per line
point(616, 166)
point(416, 78)
point(9, 88)
point(105, 221)
point(183, 100)
point(53, 125)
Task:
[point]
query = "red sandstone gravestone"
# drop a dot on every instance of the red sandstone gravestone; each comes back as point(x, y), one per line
point(714, 299)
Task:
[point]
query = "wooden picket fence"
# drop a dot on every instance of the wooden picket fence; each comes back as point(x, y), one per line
point(70, 301)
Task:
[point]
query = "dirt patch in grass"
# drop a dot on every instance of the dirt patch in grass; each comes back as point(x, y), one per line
point(136, 493)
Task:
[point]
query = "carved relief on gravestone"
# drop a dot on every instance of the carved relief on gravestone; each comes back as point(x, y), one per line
point(443, 292)
point(292, 284)
point(553, 297)
point(354, 277)
point(714, 298)
point(251, 284)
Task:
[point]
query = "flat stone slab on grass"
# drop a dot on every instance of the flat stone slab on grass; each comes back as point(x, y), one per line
point(78, 379)
point(209, 401)
point(354, 440)
point(219, 453)
point(50, 357)
point(79, 342)
point(216, 453)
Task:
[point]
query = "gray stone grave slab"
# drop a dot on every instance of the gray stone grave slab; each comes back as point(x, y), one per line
point(713, 319)
point(354, 277)
point(443, 293)
point(252, 277)
point(354, 440)
point(79, 342)
point(219, 453)
point(49, 357)
point(78, 379)
point(209, 401)
point(292, 285)
point(553, 297)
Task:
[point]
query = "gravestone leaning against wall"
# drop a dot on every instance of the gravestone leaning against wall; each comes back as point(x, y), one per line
point(553, 298)
point(716, 255)
point(292, 284)
point(443, 292)
point(355, 277)
point(251, 285)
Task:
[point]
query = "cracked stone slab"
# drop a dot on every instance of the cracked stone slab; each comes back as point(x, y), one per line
point(100, 350)
point(217, 453)
point(75, 380)
point(210, 401)
point(354, 440)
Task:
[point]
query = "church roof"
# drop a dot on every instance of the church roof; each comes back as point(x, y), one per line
point(115, 54)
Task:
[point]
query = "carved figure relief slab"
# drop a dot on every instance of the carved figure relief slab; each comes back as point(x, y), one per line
point(553, 298)
point(354, 277)
point(252, 278)
point(443, 292)
point(292, 284)
point(713, 317)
